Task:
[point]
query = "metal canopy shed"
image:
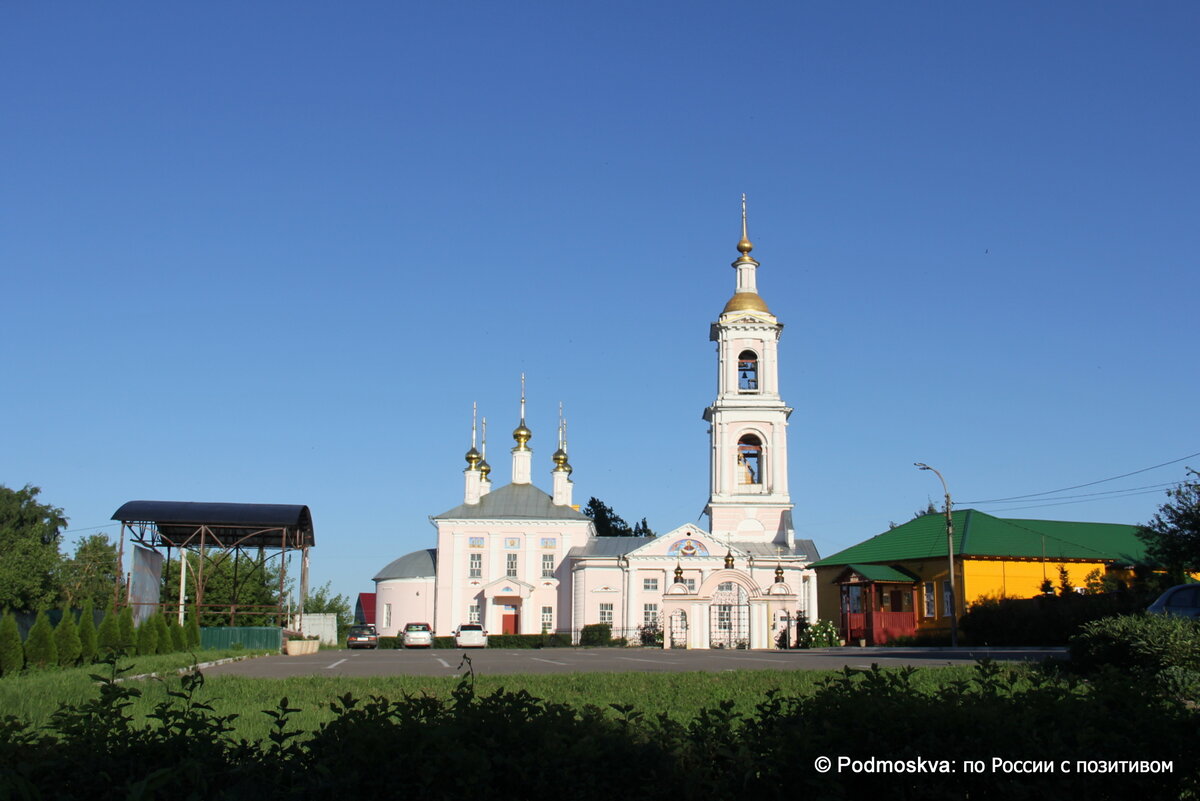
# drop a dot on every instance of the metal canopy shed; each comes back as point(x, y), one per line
point(228, 528)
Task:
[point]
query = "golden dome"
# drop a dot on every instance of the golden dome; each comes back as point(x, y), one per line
point(472, 458)
point(485, 468)
point(560, 461)
point(522, 435)
point(745, 301)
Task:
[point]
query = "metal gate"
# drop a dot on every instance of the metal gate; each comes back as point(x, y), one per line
point(678, 629)
point(729, 617)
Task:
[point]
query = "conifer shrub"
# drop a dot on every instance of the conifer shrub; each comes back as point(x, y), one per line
point(192, 629)
point(108, 636)
point(147, 638)
point(40, 649)
point(178, 637)
point(127, 639)
point(12, 651)
point(163, 636)
point(87, 633)
point(66, 639)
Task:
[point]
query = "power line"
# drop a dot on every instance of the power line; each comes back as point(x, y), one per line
point(1068, 503)
point(90, 528)
point(1080, 486)
point(1132, 490)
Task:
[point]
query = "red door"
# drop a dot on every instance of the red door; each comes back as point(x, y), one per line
point(508, 624)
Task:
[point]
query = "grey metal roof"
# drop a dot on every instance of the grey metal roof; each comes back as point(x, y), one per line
point(608, 546)
point(178, 521)
point(804, 549)
point(513, 502)
point(418, 564)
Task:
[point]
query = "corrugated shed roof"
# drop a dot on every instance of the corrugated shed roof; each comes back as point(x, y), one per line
point(418, 564)
point(513, 502)
point(979, 534)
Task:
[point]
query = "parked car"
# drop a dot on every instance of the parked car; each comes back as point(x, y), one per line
point(1182, 600)
point(418, 635)
point(362, 637)
point(470, 635)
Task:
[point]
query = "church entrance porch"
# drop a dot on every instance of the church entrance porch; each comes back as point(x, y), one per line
point(729, 617)
point(509, 615)
point(506, 600)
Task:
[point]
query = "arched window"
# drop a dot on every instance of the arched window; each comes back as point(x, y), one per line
point(749, 460)
point(747, 371)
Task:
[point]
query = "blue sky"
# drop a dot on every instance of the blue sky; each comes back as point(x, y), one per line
point(272, 252)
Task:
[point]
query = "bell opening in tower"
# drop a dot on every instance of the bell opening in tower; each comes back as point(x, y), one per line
point(747, 371)
point(749, 456)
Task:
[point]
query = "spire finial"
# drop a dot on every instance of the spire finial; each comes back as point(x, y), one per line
point(522, 434)
point(484, 467)
point(472, 456)
point(744, 246)
point(560, 455)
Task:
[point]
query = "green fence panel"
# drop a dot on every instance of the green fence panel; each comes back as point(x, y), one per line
point(269, 638)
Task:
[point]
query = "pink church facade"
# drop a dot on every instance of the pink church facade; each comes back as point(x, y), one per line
point(521, 560)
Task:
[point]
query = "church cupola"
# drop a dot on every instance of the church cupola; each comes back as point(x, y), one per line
point(522, 465)
point(473, 474)
point(562, 468)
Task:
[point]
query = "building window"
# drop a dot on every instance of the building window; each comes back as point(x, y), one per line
point(854, 599)
point(547, 565)
point(725, 586)
point(930, 605)
point(650, 584)
point(387, 616)
point(473, 613)
point(691, 584)
point(606, 613)
point(475, 566)
point(510, 565)
point(749, 460)
point(748, 371)
point(947, 601)
point(547, 619)
point(650, 615)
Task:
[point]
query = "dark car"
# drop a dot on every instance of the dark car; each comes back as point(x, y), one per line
point(362, 637)
point(1182, 600)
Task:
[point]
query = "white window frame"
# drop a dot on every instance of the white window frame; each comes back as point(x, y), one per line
point(929, 599)
point(606, 613)
point(650, 585)
point(474, 613)
point(547, 618)
point(475, 565)
point(649, 614)
point(547, 565)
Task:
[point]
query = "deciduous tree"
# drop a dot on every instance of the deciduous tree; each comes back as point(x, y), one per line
point(29, 558)
point(1173, 535)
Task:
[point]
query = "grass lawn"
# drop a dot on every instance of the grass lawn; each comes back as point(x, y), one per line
point(35, 696)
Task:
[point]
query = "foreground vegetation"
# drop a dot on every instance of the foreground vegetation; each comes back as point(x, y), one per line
point(512, 744)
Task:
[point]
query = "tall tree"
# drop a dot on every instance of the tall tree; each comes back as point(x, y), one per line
point(610, 524)
point(91, 573)
point(87, 633)
point(256, 590)
point(29, 558)
point(66, 639)
point(1173, 536)
point(323, 600)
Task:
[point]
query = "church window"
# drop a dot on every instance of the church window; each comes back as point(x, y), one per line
point(547, 565)
point(725, 586)
point(547, 619)
point(606, 613)
point(475, 566)
point(387, 616)
point(650, 615)
point(749, 460)
point(747, 366)
point(473, 615)
point(691, 584)
point(650, 584)
point(510, 565)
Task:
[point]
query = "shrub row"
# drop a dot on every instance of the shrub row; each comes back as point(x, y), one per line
point(1044, 620)
point(494, 641)
point(513, 745)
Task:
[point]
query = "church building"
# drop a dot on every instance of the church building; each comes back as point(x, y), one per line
point(520, 560)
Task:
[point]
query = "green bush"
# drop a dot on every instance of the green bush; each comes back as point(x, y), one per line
point(66, 639)
point(127, 635)
point(163, 644)
point(147, 638)
point(40, 649)
point(1142, 644)
point(12, 651)
point(596, 634)
point(822, 634)
point(1044, 620)
point(192, 629)
point(178, 637)
point(108, 636)
point(87, 633)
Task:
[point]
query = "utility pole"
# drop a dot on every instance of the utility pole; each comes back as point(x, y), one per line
point(949, 553)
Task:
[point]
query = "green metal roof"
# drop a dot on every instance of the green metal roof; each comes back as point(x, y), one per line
point(883, 573)
point(979, 534)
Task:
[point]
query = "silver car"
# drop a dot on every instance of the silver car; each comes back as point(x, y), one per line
point(1182, 600)
point(418, 635)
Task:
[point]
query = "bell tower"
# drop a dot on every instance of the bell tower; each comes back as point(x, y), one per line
point(749, 500)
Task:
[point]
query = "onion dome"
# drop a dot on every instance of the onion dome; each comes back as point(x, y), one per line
point(728, 559)
point(484, 469)
point(473, 458)
point(778, 573)
point(522, 435)
point(678, 574)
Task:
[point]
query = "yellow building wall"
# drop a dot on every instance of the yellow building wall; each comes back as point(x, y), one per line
point(1018, 578)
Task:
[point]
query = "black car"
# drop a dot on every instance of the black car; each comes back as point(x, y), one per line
point(362, 637)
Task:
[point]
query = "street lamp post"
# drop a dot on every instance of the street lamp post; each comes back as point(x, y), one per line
point(949, 553)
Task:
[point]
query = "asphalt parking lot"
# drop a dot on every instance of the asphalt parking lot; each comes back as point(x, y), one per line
point(500, 661)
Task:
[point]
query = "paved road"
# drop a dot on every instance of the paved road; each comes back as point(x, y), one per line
point(498, 661)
